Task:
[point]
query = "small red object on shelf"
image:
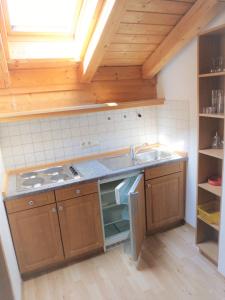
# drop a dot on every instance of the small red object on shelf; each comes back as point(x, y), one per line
point(215, 180)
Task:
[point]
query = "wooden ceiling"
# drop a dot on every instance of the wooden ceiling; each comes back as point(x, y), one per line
point(145, 33)
point(144, 25)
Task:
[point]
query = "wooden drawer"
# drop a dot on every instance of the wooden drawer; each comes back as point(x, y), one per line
point(163, 170)
point(76, 190)
point(29, 202)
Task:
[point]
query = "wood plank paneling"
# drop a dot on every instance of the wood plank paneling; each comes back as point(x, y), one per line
point(131, 47)
point(77, 110)
point(137, 39)
point(41, 63)
point(125, 89)
point(144, 23)
point(126, 55)
point(44, 77)
point(118, 73)
point(190, 25)
point(122, 62)
point(144, 29)
point(137, 17)
point(109, 85)
point(160, 6)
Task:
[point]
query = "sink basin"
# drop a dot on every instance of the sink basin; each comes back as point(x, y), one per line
point(117, 162)
point(124, 161)
point(153, 155)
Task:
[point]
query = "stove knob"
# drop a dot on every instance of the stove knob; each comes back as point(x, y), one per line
point(31, 202)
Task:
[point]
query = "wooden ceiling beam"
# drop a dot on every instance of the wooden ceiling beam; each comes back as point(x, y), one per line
point(101, 38)
point(189, 26)
point(3, 31)
point(4, 71)
point(4, 52)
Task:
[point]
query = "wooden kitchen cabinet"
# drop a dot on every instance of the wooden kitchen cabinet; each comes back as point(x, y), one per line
point(36, 237)
point(80, 223)
point(164, 201)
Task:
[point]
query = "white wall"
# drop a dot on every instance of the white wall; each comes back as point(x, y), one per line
point(178, 81)
point(8, 246)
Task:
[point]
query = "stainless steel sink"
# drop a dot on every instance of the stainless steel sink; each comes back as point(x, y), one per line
point(124, 161)
point(153, 155)
point(117, 162)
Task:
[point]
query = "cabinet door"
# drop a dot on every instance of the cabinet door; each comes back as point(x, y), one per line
point(36, 237)
point(136, 202)
point(164, 201)
point(5, 284)
point(80, 223)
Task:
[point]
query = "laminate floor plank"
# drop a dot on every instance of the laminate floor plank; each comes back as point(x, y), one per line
point(171, 267)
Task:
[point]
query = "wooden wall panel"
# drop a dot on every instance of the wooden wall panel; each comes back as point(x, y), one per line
point(111, 84)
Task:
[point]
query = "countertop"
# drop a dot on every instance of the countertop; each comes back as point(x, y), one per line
point(90, 170)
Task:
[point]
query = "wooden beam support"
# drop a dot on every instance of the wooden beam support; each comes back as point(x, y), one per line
point(4, 52)
point(3, 31)
point(4, 72)
point(189, 26)
point(107, 25)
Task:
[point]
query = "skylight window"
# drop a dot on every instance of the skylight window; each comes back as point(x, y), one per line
point(42, 16)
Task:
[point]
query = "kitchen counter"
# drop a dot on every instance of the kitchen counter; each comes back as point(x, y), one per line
point(90, 170)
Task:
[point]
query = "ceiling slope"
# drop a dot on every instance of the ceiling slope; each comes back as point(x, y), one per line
point(107, 25)
point(144, 25)
point(189, 26)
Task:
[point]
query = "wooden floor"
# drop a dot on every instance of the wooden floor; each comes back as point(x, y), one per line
point(171, 268)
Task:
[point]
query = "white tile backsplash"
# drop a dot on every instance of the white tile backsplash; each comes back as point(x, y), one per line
point(47, 140)
point(173, 124)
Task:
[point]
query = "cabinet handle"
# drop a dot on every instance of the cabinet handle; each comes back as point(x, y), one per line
point(31, 202)
point(148, 185)
point(54, 210)
point(77, 192)
point(60, 208)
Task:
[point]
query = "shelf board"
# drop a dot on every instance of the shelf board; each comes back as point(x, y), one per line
point(215, 74)
point(114, 205)
point(210, 250)
point(116, 221)
point(218, 116)
point(216, 227)
point(216, 190)
point(87, 108)
point(218, 153)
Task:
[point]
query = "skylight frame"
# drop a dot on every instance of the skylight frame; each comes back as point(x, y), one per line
point(23, 35)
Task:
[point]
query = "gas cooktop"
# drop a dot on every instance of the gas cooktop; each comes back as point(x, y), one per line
point(39, 178)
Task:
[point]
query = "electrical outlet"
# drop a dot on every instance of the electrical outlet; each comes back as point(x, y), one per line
point(89, 143)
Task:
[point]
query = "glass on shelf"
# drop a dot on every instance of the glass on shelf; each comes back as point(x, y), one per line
point(217, 103)
point(217, 64)
point(220, 101)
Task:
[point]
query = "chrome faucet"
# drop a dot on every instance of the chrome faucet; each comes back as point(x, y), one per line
point(132, 152)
